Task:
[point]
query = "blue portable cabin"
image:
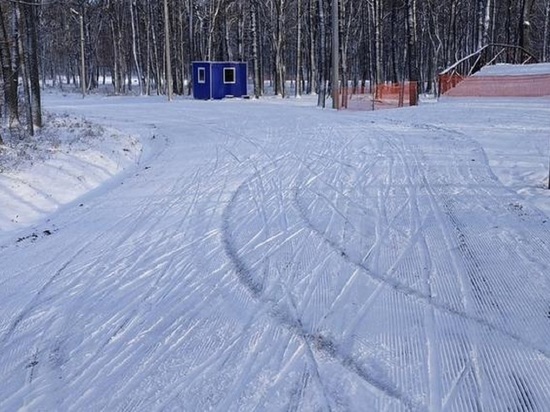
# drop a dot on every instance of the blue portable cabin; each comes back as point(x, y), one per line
point(216, 80)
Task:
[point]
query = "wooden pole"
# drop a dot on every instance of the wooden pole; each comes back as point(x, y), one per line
point(82, 56)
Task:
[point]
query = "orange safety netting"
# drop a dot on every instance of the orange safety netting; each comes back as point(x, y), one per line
point(395, 91)
point(382, 96)
point(448, 81)
point(503, 86)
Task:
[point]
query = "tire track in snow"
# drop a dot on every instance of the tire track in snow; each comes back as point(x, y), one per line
point(177, 389)
point(476, 280)
point(510, 332)
point(150, 216)
point(182, 252)
point(472, 344)
point(481, 280)
point(443, 309)
point(411, 292)
point(402, 374)
point(37, 298)
point(290, 320)
point(433, 369)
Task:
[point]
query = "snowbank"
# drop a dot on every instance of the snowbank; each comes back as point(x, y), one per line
point(66, 159)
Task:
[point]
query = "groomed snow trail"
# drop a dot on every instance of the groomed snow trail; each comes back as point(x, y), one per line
point(277, 257)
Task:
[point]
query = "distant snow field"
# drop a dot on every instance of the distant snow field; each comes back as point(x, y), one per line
point(269, 255)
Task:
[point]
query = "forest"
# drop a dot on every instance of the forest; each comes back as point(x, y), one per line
point(147, 46)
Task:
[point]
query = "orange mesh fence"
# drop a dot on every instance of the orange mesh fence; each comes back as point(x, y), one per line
point(448, 81)
point(391, 91)
point(503, 86)
point(383, 96)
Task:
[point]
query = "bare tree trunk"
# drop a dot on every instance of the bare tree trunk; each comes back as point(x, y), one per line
point(154, 56)
point(412, 51)
point(484, 22)
point(255, 54)
point(191, 32)
point(278, 33)
point(8, 74)
point(214, 12)
point(450, 40)
point(313, 68)
point(20, 22)
point(335, 55)
point(525, 25)
point(322, 69)
point(167, 51)
point(487, 23)
point(395, 45)
point(135, 38)
point(227, 38)
point(148, 64)
point(349, 38)
point(30, 17)
point(117, 77)
point(241, 32)
point(480, 7)
point(298, 89)
point(546, 37)
point(378, 41)
point(509, 25)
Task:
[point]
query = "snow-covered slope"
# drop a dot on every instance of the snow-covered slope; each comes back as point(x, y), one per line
point(65, 160)
point(282, 257)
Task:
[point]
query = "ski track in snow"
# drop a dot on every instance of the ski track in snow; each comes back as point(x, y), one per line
point(327, 263)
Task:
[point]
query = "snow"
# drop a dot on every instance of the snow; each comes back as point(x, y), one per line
point(505, 69)
point(270, 255)
point(67, 159)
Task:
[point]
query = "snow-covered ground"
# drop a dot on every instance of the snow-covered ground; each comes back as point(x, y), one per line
point(268, 255)
point(66, 159)
point(504, 69)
